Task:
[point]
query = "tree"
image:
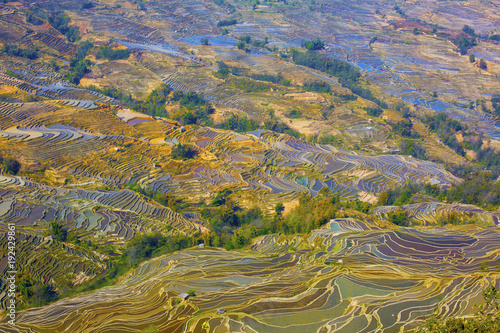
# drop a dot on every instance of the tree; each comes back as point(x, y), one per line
point(183, 152)
point(482, 64)
point(56, 230)
point(472, 58)
point(279, 208)
point(204, 41)
point(12, 166)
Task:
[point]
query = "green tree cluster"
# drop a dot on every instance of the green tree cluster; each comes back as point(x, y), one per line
point(109, 53)
point(227, 22)
point(14, 50)
point(239, 124)
point(79, 66)
point(314, 45)
point(10, 164)
point(317, 86)
point(183, 152)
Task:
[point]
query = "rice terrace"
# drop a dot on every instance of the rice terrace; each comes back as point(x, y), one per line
point(274, 166)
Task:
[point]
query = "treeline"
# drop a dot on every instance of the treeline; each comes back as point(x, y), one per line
point(313, 45)
point(58, 20)
point(478, 188)
point(78, 66)
point(495, 103)
point(154, 105)
point(183, 152)
point(10, 165)
point(375, 112)
point(227, 22)
point(404, 128)
point(109, 53)
point(247, 40)
point(412, 148)
point(225, 4)
point(239, 124)
point(464, 43)
point(348, 75)
point(447, 130)
point(224, 70)
point(114, 93)
point(14, 50)
point(193, 108)
point(317, 86)
point(278, 79)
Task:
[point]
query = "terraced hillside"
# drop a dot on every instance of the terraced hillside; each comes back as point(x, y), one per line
point(348, 276)
point(245, 166)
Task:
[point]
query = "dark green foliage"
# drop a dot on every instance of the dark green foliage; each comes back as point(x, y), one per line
point(276, 126)
point(335, 67)
point(348, 75)
point(310, 214)
point(112, 54)
point(183, 152)
point(279, 208)
point(79, 65)
point(154, 105)
point(495, 101)
point(314, 45)
point(36, 16)
point(479, 188)
point(223, 71)
point(194, 109)
point(410, 147)
point(495, 37)
point(400, 195)
point(348, 97)
point(240, 45)
point(278, 79)
point(469, 31)
point(10, 72)
point(227, 22)
point(87, 5)
point(56, 230)
point(447, 128)
point(83, 50)
point(375, 112)
point(485, 320)
point(60, 22)
point(242, 125)
point(204, 41)
point(146, 246)
point(404, 128)
point(318, 86)
point(472, 58)
point(248, 85)
point(330, 139)
point(398, 217)
point(373, 40)
point(400, 11)
point(260, 43)
point(116, 94)
point(224, 4)
point(482, 64)
point(13, 50)
point(77, 70)
point(12, 166)
point(294, 113)
point(168, 200)
point(221, 197)
point(246, 39)
point(464, 43)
